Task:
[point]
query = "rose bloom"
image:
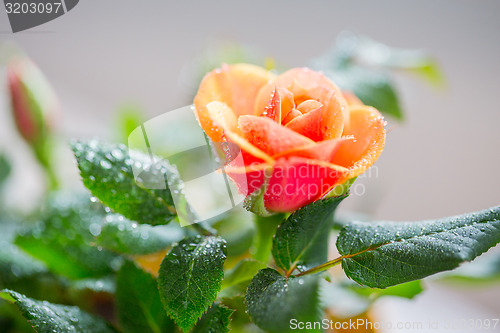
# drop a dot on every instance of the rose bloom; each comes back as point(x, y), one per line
point(34, 104)
point(299, 135)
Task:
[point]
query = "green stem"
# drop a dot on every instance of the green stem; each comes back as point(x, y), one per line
point(43, 151)
point(204, 229)
point(52, 180)
point(336, 261)
point(322, 267)
point(263, 240)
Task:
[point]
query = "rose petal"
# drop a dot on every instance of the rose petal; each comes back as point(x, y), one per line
point(323, 151)
point(269, 136)
point(308, 124)
point(222, 116)
point(240, 170)
point(323, 123)
point(303, 83)
point(308, 106)
point(273, 109)
point(279, 106)
point(296, 182)
point(367, 127)
point(306, 84)
point(292, 114)
point(248, 176)
point(234, 85)
point(287, 103)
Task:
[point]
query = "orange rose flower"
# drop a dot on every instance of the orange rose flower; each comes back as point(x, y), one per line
point(298, 134)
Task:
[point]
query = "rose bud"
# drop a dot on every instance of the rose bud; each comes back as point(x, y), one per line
point(34, 103)
point(298, 135)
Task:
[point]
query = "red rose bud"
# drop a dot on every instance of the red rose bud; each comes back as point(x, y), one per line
point(34, 103)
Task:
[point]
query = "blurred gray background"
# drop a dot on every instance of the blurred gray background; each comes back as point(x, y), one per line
point(443, 160)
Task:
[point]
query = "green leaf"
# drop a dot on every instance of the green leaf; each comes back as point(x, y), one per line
point(429, 71)
point(22, 272)
point(405, 290)
point(128, 118)
point(16, 264)
point(95, 295)
point(107, 171)
point(243, 271)
point(46, 317)
point(302, 239)
point(372, 87)
point(11, 320)
point(362, 66)
point(8, 225)
point(240, 320)
point(101, 285)
point(236, 279)
point(138, 302)
point(254, 202)
point(341, 189)
point(346, 299)
point(384, 254)
point(238, 230)
point(374, 54)
point(189, 278)
point(4, 169)
point(63, 238)
point(216, 320)
point(343, 218)
point(341, 301)
point(484, 269)
point(123, 236)
point(273, 300)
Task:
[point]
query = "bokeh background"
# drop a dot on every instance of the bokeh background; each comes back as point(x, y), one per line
point(442, 160)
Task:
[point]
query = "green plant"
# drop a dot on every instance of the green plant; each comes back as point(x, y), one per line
point(117, 259)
